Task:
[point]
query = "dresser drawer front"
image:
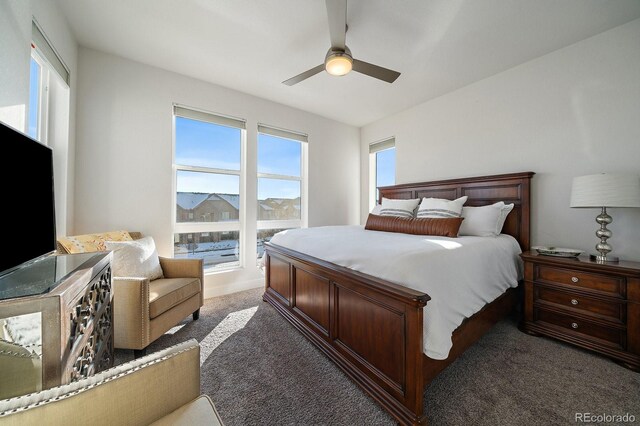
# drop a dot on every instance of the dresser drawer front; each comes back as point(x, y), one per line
point(605, 309)
point(615, 286)
point(582, 328)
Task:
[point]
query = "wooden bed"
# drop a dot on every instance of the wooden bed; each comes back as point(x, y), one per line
point(372, 328)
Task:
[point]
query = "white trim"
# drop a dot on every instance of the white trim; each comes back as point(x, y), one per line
point(277, 224)
point(382, 145)
point(200, 227)
point(174, 183)
point(372, 180)
point(42, 128)
point(48, 52)
point(212, 290)
point(282, 133)
point(280, 177)
point(304, 186)
point(212, 170)
point(209, 117)
point(242, 208)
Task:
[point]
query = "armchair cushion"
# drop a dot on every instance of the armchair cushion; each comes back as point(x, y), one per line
point(166, 293)
point(201, 411)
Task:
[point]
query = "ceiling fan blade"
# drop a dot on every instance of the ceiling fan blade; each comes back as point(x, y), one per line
point(305, 75)
point(375, 71)
point(337, 14)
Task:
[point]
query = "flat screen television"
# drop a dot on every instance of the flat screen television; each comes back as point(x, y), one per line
point(27, 199)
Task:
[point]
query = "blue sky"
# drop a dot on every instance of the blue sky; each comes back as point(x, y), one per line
point(386, 167)
point(209, 145)
point(34, 91)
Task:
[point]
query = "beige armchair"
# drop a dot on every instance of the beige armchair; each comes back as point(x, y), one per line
point(144, 310)
point(162, 388)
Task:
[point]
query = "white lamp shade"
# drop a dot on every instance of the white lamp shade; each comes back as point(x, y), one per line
point(606, 190)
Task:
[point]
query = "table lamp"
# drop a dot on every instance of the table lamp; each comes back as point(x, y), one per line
point(602, 191)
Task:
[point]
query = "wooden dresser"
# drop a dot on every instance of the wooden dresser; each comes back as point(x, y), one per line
point(56, 322)
point(585, 303)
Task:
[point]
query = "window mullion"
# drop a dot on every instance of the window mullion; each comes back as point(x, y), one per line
point(278, 224)
point(207, 170)
point(280, 177)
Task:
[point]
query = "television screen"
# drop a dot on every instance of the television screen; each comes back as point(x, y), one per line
point(27, 199)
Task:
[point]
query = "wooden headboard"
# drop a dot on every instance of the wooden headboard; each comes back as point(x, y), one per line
point(483, 190)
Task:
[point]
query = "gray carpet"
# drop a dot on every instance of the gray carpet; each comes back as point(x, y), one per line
point(259, 370)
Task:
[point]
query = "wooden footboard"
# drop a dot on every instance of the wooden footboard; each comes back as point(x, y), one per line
point(370, 328)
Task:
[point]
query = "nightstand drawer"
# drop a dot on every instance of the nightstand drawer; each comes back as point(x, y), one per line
point(598, 282)
point(612, 335)
point(605, 309)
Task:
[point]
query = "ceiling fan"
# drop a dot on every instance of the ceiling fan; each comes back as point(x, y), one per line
point(339, 60)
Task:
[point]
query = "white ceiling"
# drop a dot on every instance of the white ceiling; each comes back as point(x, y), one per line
point(253, 45)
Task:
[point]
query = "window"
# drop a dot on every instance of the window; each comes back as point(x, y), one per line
point(46, 69)
point(33, 121)
point(382, 167)
point(208, 175)
point(281, 184)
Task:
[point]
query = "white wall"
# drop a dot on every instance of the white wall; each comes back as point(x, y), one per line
point(15, 33)
point(124, 154)
point(573, 112)
point(15, 54)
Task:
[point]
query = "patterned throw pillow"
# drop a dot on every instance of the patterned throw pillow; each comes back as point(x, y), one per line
point(439, 207)
point(398, 208)
point(92, 242)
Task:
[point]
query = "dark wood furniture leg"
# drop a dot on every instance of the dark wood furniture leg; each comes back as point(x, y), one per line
point(138, 353)
point(196, 315)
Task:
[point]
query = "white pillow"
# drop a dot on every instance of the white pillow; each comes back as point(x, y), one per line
point(399, 208)
point(137, 258)
point(376, 209)
point(440, 207)
point(485, 221)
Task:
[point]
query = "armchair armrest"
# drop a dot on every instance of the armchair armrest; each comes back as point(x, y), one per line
point(184, 268)
point(131, 308)
point(181, 268)
point(135, 393)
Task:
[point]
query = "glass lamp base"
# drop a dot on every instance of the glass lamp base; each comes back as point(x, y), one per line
point(602, 259)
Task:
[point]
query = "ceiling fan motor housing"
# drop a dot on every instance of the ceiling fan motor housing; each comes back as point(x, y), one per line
point(338, 62)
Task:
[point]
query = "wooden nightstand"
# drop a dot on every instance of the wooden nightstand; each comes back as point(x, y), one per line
point(591, 305)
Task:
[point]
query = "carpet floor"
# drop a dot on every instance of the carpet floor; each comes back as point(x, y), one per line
point(259, 370)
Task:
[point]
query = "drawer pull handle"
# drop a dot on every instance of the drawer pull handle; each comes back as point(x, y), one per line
point(574, 325)
point(574, 302)
point(575, 279)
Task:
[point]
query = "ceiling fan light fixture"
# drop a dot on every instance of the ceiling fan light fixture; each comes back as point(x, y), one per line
point(338, 63)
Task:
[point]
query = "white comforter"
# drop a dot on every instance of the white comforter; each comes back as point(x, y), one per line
point(460, 274)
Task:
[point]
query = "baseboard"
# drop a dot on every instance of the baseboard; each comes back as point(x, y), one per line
point(234, 287)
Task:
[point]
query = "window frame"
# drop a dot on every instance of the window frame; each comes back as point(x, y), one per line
point(47, 57)
point(43, 96)
point(375, 148)
point(212, 227)
point(302, 139)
